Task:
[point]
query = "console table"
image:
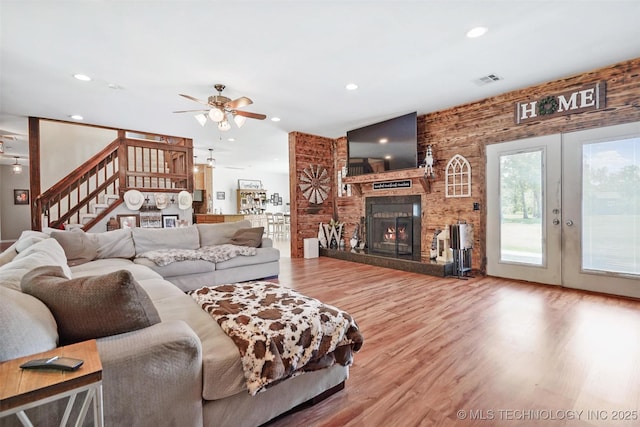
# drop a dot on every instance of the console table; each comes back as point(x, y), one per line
point(22, 389)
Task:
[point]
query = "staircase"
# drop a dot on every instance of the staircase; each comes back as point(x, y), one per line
point(93, 190)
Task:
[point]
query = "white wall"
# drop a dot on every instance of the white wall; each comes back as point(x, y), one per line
point(14, 219)
point(65, 146)
point(227, 180)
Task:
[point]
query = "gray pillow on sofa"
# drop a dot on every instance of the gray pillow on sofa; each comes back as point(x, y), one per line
point(78, 246)
point(220, 233)
point(92, 306)
point(251, 237)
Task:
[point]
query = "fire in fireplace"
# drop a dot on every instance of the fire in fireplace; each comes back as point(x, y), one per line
point(393, 226)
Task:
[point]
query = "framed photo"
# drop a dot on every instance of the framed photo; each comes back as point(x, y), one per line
point(249, 184)
point(220, 195)
point(150, 219)
point(129, 221)
point(169, 221)
point(20, 197)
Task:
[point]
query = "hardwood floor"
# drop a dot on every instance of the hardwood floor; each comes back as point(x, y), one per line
point(492, 351)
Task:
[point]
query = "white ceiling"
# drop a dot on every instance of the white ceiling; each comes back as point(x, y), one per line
point(292, 58)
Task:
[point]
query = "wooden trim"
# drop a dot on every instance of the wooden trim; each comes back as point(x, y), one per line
point(384, 176)
point(34, 172)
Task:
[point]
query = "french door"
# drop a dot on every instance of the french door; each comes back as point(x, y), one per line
point(565, 209)
point(523, 210)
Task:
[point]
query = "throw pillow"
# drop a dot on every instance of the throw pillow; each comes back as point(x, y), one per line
point(29, 238)
point(251, 237)
point(78, 247)
point(93, 306)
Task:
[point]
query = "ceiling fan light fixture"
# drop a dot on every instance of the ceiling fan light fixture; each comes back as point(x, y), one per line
point(202, 119)
point(224, 125)
point(216, 114)
point(239, 120)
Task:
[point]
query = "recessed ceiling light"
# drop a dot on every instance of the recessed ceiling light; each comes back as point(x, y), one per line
point(114, 86)
point(82, 77)
point(383, 140)
point(231, 139)
point(76, 117)
point(477, 32)
point(351, 86)
point(275, 119)
point(388, 157)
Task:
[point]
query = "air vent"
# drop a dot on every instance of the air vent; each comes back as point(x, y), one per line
point(485, 80)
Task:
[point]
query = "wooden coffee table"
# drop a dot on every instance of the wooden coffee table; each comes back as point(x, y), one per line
point(21, 389)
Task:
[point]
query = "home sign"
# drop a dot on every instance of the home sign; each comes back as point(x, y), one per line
point(588, 98)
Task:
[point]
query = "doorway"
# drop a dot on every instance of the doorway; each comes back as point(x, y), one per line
point(565, 209)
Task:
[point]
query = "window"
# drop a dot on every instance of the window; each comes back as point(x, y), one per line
point(458, 177)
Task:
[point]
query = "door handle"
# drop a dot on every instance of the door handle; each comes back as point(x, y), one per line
point(569, 223)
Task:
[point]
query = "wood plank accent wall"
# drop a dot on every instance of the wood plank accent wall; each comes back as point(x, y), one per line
point(306, 150)
point(466, 130)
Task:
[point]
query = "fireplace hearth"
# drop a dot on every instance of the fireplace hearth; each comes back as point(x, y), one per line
point(393, 226)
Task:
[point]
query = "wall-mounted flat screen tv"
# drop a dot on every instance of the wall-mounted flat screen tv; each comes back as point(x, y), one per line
point(385, 146)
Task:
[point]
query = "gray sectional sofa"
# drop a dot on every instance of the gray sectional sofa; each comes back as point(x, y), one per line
point(189, 275)
point(181, 371)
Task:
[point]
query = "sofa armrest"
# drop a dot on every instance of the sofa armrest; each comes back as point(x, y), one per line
point(267, 242)
point(152, 376)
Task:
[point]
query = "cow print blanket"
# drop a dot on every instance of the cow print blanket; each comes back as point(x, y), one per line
point(280, 333)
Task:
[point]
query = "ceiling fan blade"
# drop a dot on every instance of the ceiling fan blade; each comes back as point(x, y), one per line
point(192, 111)
point(243, 101)
point(194, 99)
point(250, 115)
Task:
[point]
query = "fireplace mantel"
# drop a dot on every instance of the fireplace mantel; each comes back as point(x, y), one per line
point(416, 174)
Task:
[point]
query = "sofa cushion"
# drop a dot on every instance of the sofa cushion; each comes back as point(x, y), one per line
point(45, 252)
point(104, 266)
point(114, 244)
point(221, 233)
point(28, 327)
point(222, 374)
point(262, 256)
point(178, 268)
point(148, 239)
point(93, 306)
point(248, 237)
point(78, 246)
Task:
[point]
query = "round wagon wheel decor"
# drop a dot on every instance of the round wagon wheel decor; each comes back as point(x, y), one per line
point(548, 105)
point(314, 183)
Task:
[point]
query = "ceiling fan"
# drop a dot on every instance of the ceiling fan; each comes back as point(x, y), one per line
point(220, 108)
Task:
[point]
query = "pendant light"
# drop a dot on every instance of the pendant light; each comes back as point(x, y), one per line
point(16, 168)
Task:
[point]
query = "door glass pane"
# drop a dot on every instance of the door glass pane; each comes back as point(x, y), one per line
point(611, 206)
point(521, 238)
